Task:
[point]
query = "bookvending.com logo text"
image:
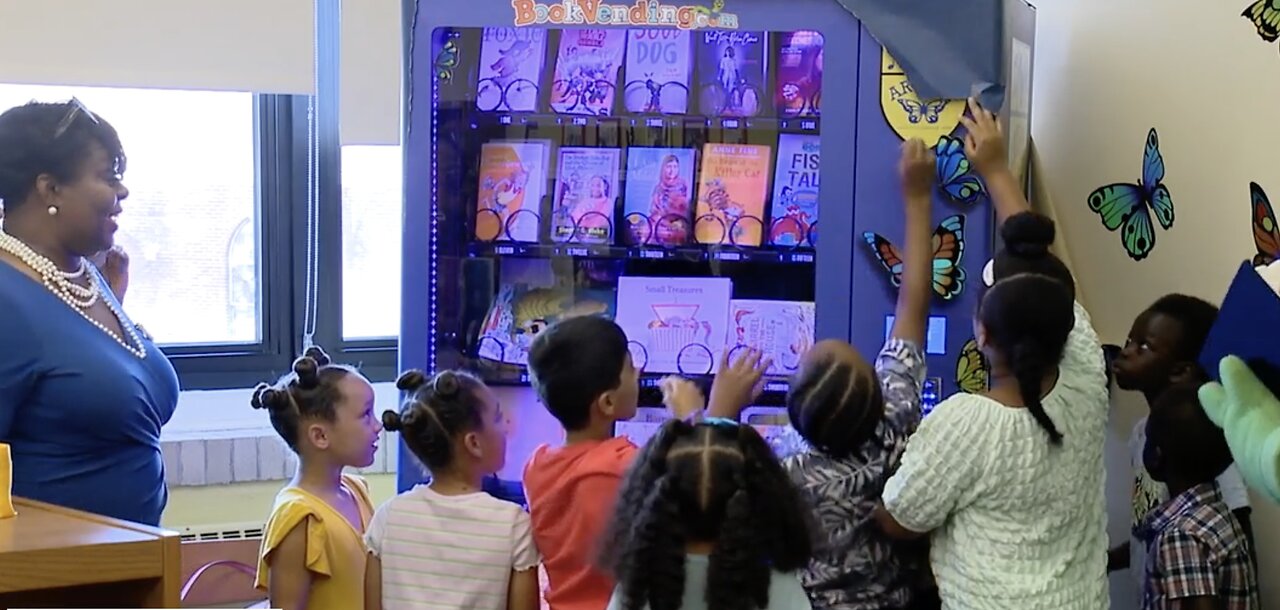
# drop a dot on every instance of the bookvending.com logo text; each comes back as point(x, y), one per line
point(644, 13)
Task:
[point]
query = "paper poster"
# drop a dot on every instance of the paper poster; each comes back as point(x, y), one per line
point(1019, 107)
point(510, 69)
point(799, 88)
point(657, 73)
point(586, 188)
point(783, 330)
point(586, 79)
point(513, 176)
point(732, 69)
point(732, 188)
point(907, 114)
point(658, 203)
point(795, 190)
point(675, 324)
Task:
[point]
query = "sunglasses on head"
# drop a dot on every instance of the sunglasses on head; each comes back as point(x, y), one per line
point(76, 110)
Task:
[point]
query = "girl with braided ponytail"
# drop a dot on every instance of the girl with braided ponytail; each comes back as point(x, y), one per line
point(707, 518)
point(447, 543)
point(313, 553)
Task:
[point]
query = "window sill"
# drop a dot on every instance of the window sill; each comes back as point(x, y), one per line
point(215, 438)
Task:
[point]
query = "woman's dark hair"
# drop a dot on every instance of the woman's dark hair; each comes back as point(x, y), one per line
point(1027, 237)
point(34, 140)
point(835, 404)
point(712, 483)
point(309, 392)
point(1027, 318)
point(435, 411)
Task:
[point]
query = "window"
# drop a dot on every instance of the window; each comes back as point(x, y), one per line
point(190, 224)
point(372, 178)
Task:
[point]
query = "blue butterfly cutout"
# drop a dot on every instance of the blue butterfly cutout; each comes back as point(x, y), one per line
point(1125, 206)
point(955, 174)
point(948, 250)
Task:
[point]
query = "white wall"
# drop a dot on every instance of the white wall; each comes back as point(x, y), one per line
point(1106, 72)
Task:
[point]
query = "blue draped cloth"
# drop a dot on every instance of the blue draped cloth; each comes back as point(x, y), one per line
point(948, 48)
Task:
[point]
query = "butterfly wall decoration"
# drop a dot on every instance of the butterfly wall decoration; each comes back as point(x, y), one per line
point(1128, 207)
point(956, 177)
point(948, 248)
point(1265, 15)
point(972, 371)
point(1266, 234)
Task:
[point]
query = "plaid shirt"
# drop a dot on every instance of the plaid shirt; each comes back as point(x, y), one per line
point(1196, 548)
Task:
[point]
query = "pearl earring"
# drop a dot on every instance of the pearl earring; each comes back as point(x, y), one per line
point(53, 210)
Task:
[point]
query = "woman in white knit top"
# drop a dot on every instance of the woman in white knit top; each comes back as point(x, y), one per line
point(1010, 483)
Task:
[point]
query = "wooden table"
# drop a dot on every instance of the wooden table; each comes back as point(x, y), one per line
point(57, 557)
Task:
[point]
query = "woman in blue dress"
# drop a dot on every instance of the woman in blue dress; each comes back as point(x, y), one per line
point(83, 391)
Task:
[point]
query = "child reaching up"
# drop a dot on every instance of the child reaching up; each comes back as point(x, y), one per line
point(1197, 550)
point(313, 553)
point(707, 519)
point(448, 544)
point(855, 419)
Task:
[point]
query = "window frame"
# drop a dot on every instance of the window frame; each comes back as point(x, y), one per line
point(281, 152)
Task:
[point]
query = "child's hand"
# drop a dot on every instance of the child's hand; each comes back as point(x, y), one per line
point(984, 142)
point(738, 383)
point(681, 396)
point(917, 169)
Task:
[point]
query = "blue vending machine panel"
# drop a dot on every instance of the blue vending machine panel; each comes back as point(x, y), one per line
point(667, 166)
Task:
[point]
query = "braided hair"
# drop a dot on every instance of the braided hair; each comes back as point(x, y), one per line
point(835, 401)
point(309, 392)
point(705, 483)
point(435, 412)
point(1027, 319)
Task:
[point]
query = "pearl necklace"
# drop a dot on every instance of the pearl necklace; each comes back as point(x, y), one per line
point(78, 298)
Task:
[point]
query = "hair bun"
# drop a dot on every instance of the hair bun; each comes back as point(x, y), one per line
point(269, 398)
point(445, 385)
point(1028, 234)
point(391, 421)
point(315, 352)
point(260, 400)
point(411, 380)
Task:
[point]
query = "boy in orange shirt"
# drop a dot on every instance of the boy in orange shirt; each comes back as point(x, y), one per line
point(582, 371)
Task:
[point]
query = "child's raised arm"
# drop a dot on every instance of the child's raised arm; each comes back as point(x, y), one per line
point(984, 146)
point(916, 170)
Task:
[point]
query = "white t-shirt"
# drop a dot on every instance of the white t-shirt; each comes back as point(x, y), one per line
point(1016, 521)
point(442, 551)
point(1149, 493)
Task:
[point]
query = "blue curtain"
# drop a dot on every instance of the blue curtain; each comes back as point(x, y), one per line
point(947, 48)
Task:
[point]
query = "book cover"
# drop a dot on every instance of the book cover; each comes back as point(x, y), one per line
point(795, 190)
point(510, 69)
point(657, 71)
point(586, 77)
point(731, 73)
point(513, 176)
point(657, 205)
point(732, 188)
point(586, 189)
point(530, 298)
point(676, 324)
point(799, 88)
point(783, 330)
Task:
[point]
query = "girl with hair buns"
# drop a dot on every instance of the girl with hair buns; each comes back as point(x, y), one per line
point(447, 543)
point(313, 553)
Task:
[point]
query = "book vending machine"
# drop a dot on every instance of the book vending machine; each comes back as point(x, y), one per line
point(685, 170)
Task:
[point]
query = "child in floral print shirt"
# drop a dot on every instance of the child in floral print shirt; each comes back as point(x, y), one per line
point(853, 420)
